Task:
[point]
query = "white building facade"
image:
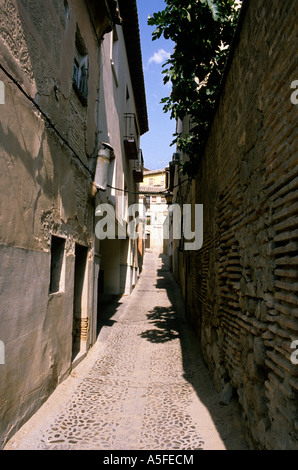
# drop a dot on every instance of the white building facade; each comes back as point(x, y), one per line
point(154, 188)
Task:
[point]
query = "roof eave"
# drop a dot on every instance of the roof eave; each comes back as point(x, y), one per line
point(130, 23)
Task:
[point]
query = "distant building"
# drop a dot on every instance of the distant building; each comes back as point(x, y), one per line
point(154, 187)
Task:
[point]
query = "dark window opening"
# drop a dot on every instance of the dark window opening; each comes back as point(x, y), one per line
point(79, 300)
point(66, 8)
point(57, 258)
point(80, 69)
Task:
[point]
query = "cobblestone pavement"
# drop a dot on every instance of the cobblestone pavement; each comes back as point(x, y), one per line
point(143, 386)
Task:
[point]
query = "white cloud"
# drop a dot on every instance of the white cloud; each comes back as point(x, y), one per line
point(159, 57)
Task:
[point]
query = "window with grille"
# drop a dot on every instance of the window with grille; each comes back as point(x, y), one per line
point(80, 69)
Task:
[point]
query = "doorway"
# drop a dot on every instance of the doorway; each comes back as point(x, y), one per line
point(80, 318)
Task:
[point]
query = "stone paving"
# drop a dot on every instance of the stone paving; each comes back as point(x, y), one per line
point(143, 386)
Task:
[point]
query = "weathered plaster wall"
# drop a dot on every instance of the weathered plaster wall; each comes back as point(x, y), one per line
point(244, 280)
point(45, 191)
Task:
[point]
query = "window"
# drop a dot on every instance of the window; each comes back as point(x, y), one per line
point(66, 9)
point(57, 264)
point(80, 69)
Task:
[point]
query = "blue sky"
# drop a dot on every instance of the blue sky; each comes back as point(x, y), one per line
point(156, 143)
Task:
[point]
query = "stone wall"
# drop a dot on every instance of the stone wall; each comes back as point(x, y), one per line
point(243, 301)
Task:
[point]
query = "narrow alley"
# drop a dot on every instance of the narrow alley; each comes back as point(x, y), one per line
point(143, 385)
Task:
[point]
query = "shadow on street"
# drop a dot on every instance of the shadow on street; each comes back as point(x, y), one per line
point(107, 308)
point(168, 324)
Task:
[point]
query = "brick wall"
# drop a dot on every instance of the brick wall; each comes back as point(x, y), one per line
point(244, 279)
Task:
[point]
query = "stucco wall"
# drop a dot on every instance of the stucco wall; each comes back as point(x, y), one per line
point(45, 191)
point(49, 138)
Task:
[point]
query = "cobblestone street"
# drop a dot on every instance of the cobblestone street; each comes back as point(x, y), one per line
point(143, 386)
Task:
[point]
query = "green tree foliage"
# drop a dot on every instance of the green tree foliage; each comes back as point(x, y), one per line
point(202, 31)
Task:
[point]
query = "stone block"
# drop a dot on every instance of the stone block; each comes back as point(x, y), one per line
point(226, 395)
point(261, 431)
point(261, 311)
point(252, 305)
point(250, 290)
point(259, 351)
point(253, 370)
point(269, 300)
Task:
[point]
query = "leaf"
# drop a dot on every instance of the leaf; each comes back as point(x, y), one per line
point(187, 15)
point(157, 33)
point(213, 7)
point(202, 31)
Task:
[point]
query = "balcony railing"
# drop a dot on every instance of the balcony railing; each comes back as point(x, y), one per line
point(131, 136)
point(138, 169)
